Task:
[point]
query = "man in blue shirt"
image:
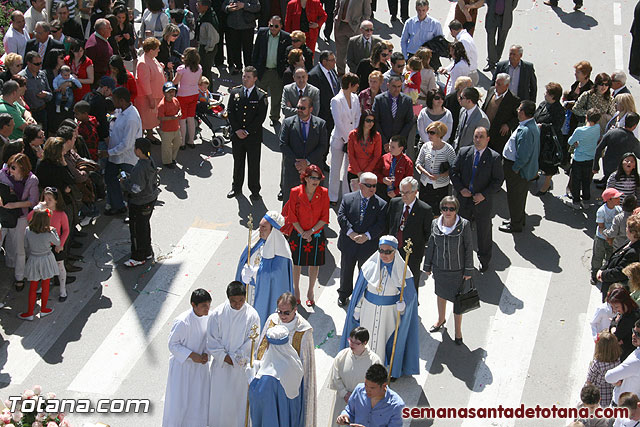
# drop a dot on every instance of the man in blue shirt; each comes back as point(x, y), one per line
point(372, 403)
point(419, 30)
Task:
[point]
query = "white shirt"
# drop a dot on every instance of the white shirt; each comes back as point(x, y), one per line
point(32, 17)
point(509, 151)
point(15, 42)
point(248, 90)
point(470, 46)
point(629, 372)
point(475, 150)
point(514, 73)
point(410, 206)
point(617, 91)
point(122, 136)
point(329, 77)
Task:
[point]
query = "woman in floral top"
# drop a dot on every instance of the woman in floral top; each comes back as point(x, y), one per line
point(599, 98)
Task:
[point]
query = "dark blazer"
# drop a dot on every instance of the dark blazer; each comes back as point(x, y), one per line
point(319, 80)
point(247, 113)
point(32, 45)
point(624, 89)
point(259, 56)
point(507, 114)
point(528, 83)
point(374, 222)
point(417, 228)
point(451, 103)
point(73, 29)
point(489, 175)
point(617, 142)
point(621, 257)
point(293, 147)
point(385, 123)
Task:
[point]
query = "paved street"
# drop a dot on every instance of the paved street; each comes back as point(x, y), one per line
point(528, 343)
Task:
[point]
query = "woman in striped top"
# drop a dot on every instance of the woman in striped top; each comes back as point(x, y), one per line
point(626, 178)
point(433, 163)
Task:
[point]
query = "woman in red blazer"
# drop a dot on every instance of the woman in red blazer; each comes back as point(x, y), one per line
point(306, 16)
point(306, 213)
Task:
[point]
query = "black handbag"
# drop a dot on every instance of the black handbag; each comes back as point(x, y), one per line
point(466, 301)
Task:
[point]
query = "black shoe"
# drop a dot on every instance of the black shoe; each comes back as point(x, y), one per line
point(458, 341)
point(70, 279)
point(112, 212)
point(280, 197)
point(404, 18)
point(62, 298)
point(126, 220)
point(342, 302)
point(394, 18)
point(275, 122)
point(233, 193)
point(169, 165)
point(19, 284)
point(484, 267)
point(183, 147)
point(489, 67)
point(436, 328)
point(254, 196)
point(509, 229)
point(192, 146)
point(72, 268)
point(327, 168)
point(577, 6)
point(80, 234)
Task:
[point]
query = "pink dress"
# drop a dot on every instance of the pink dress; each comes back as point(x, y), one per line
point(149, 78)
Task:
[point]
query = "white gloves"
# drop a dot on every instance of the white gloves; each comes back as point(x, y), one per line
point(400, 307)
point(248, 273)
point(356, 313)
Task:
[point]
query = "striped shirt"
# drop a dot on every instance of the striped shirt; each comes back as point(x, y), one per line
point(625, 184)
point(431, 160)
point(71, 4)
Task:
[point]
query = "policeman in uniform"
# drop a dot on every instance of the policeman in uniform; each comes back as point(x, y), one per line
point(247, 111)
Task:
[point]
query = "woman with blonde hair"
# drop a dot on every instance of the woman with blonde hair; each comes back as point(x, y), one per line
point(12, 65)
point(624, 105)
point(299, 41)
point(606, 356)
point(367, 95)
point(427, 74)
point(632, 271)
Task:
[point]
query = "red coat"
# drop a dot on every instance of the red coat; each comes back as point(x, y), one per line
point(314, 12)
point(404, 168)
point(307, 213)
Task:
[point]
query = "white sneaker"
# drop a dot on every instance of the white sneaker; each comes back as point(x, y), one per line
point(133, 263)
point(57, 108)
point(572, 205)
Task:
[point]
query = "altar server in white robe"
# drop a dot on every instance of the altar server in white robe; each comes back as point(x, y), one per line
point(186, 399)
point(349, 368)
point(231, 324)
point(301, 339)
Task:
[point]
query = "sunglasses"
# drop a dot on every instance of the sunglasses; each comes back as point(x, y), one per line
point(431, 132)
point(368, 30)
point(386, 251)
point(301, 107)
point(369, 120)
point(315, 178)
point(448, 209)
point(274, 26)
point(37, 64)
point(437, 98)
point(368, 185)
point(384, 55)
point(284, 313)
point(51, 190)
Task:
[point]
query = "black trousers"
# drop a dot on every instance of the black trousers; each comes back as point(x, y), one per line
point(329, 5)
point(517, 191)
point(140, 230)
point(239, 47)
point(206, 62)
point(480, 214)
point(404, 8)
point(348, 262)
point(432, 196)
point(223, 32)
point(581, 173)
point(249, 151)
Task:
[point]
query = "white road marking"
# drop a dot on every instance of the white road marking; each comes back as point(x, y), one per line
point(618, 51)
point(617, 14)
point(32, 340)
point(129, 338)
point(510, 342)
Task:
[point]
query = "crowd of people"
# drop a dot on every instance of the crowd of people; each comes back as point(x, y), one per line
point(404, 148)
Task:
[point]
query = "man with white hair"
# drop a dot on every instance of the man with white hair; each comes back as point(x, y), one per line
point(99, 50)
point(619, 82)
point(42, 42)
point(230, 326)
point(376, 304)
point(269, 271)
point(360, 46)
point(276, 395)
point(501, 107)
point(299, 334)
point(524, 83)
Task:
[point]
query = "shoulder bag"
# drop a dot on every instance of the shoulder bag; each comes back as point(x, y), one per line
point(466, 301)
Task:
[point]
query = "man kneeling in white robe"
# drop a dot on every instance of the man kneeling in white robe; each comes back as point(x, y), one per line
point(230, 327)
point(186, 400)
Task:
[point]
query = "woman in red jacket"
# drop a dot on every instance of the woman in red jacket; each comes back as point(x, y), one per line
point(306, 213)
point(306, 16)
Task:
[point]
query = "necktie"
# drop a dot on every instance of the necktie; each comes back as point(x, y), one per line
point(464, 122)
point(41, 49)
point(392, 171)
point(299, 93)
point(403, 222)
point(334, 82)
point(246, 92)
point(367, 47)
point(363, 208)
point(476, 160)
point(304, 131)
point(394, 107)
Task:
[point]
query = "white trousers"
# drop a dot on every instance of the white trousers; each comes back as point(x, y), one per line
point(338, 159)
point(14, 247)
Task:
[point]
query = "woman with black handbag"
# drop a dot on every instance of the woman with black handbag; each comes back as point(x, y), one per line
point(550, 116)
point(449, 255)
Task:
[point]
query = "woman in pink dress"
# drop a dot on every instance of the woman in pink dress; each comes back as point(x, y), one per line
point(150, 78)
point(187, 77)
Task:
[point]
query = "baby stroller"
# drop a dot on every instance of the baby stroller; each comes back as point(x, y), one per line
point(211, 115)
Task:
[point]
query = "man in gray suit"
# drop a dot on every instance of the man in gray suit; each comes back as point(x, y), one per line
point(360, 46)
point(347, 16)
point(393, 111)
point(303, 142)
point(524, 83)
point(296, 90)
point(498, 20)
point(470, 117)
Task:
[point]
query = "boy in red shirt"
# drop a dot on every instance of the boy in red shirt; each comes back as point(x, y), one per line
point(392, 168)
point(88, 127)
point(169, 115)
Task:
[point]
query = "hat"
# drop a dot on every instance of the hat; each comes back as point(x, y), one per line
point(108, 81)
point(168, 86)
point(610, 193)
point(278, 335)
point(275, 219)
point(389, 240)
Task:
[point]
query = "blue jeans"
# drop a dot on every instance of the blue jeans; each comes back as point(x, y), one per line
point(68, 92)
point(111, 175)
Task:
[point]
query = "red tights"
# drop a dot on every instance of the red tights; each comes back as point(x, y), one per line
point(33, 287)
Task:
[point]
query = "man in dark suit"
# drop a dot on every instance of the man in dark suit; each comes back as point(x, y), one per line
point(362, 220)
point(42, 43)
point(303, 142)
point(247, 111)
point(477, 175)
point(323, 76)
point(520, 166)
point(471, 116)
point(452, 103)
point(410, 218)
point(524, 83)
point(271, 62)
point(360, 46)
point(501, 108)
point(393, 111)
point(498, 21)
point(70, 27)
point(619, 83)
